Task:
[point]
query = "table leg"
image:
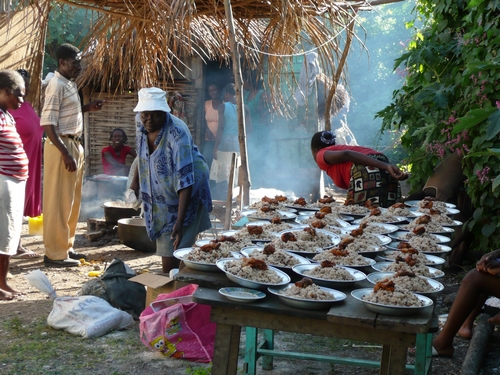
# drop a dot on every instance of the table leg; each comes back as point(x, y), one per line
point(227, 345)
point(267, 361)
point(251, 351)
point(393, 360)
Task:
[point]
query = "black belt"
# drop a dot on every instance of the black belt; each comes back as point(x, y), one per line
point(76, 138)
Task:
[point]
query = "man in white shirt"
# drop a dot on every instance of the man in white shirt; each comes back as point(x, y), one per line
point(62, 119)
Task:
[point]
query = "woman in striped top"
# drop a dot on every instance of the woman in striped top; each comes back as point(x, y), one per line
point(13, 175)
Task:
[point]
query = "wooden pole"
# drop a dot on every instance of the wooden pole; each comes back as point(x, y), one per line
point(328, 121)
point(238, 83)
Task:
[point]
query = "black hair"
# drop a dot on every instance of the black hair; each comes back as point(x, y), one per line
point(229, 88)
point(10, 80)
point(322, 139)
point(24, 73)
point(66, 51)
point(125, 138)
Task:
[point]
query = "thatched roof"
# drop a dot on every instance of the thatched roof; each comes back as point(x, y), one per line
point(135, 42)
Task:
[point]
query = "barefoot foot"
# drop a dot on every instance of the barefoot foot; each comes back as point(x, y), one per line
point(5, 296)
point(495, 319)
point(465, 332)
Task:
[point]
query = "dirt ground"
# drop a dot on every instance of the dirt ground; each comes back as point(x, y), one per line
point(29, 346)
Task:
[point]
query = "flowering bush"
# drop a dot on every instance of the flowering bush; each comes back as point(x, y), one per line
point(450, 102)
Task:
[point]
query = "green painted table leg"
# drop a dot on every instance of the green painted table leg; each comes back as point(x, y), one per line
point(251, 351)
point(267, 361)
point(423, 353)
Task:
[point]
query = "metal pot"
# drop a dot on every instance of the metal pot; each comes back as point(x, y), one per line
point(132, 233)
point(114, 211)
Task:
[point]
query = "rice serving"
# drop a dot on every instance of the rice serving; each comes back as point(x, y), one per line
point(278, 258)
point(239, 267)
point(330, 273)
point(350, 258)
point(419, 258)
point(398, 211)
point(305, 241)
point(399, 297)
point(211, 257)
point(430, 227)
point(311, 291)
point(417, 269)
point(414, 284)
point(384, 217)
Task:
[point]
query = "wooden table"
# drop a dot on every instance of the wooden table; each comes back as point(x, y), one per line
point(348, 319)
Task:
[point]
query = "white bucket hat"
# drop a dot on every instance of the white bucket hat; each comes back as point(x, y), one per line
point(152, 99)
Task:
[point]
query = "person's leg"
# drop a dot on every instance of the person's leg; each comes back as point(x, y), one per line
point(4, 269)
point(473, 286)
point(495, 319)
point(465, 330)
point(25, 253)
point(77, 197)
point(58, 195)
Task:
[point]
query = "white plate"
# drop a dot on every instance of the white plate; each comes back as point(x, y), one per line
point(367, 267)
point(246, 251)
point(284, 215)
point(333, 237)
point(443, 249)
point(390, 309)
point(244, 295)
point(307, 207)
point(399, 237)
point(208, 267)
point(374, 277)
point(434, 261)
point(357, 275)
point(416, 204)
point(449, 211)
point(435, 273)
point(445, 232)
point(309, 304)
point(399, 220)
point(387, 228)
point(301, 219)
point(285, 279)
point(385, 240)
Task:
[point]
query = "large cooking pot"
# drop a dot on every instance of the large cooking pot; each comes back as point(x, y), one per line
point(132, 233)
point(114, 211)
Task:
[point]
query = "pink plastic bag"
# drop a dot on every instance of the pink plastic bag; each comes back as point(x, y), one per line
point(182, 330)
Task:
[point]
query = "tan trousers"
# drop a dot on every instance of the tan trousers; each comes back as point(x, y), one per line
point(62, 193)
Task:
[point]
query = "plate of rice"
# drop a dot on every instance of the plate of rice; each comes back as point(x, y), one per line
point(394, 220)
point(401, 235)
point(438, 204)
point(400, 302)
point(308, 296)
point(426, 247)
point(252, 273)
point(416, 284)
point(261, 215)
point(327, 221)
point(444, 211)
point(420, 258)
point(345, 258)
point(201, 260)
point(305, 241)
point(418, 269)
point(244, 295)
point(330, 275)
point(375, 228)
point(280, 259)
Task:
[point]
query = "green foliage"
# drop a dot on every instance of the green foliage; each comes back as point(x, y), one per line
point(199, 370)
point(67, 24)
point(449, 103)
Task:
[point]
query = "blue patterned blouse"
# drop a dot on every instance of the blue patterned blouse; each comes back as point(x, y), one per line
point(175, 165)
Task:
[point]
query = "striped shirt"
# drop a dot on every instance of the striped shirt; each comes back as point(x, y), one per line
point(13, 159)
point(62, 107)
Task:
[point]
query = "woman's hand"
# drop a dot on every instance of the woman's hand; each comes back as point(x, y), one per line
point(395, 172)
point(176, 234)
point(489, 261)
point(214, 154)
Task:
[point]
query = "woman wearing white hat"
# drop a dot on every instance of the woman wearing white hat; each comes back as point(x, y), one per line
point(172, 178)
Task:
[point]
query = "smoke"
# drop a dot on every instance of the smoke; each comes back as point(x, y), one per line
point(96, 192)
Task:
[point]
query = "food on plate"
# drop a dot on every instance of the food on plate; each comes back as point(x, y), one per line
point(288, 236)
point(275, 257)
point(409, 265)
point(359, 241)
point(330, 271)
point(306, 240)
point(379, 217)
point(321, 219)
point(207, 253)
point(306, 289)
point(409, 253)
point(300, 201)
point(255, 230)
point(326, 199)
point(427, 222)
point(410, 281)
point(385, 292)
point(342, 257)
point(252, 269)
point(399, 209)
point(425, 242)
point(373, 228)
point(229, 243)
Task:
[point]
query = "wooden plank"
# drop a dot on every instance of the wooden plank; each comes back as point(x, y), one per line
point(310, 326)
point(227, 343)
